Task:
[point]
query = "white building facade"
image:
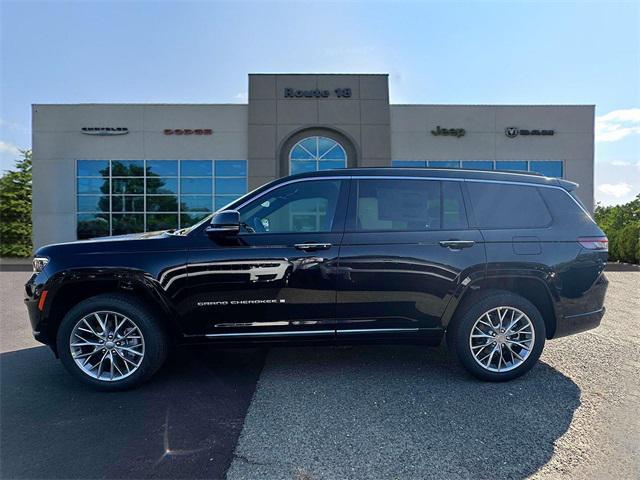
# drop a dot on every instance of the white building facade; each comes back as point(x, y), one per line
point(108, 169)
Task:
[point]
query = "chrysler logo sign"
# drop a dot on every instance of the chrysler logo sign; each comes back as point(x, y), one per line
point(104, 131)
point(513, 132)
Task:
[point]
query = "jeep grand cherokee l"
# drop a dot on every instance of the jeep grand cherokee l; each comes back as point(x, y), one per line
point(496, 262)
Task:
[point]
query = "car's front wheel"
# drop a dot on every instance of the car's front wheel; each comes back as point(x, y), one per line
point(111, 342)
point(498, 337)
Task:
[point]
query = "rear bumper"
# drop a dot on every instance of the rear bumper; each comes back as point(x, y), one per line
point(579, 323)
point(585, 312)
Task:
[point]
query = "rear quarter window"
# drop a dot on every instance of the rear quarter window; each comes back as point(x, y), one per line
point(499, 205)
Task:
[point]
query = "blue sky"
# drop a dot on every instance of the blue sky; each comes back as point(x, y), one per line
point(452, 52)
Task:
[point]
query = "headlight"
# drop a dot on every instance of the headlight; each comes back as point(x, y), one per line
point(39, 263)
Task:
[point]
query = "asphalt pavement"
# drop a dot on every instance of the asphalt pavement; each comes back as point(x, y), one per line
point(322, 412)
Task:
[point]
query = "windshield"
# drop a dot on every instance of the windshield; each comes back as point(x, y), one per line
point(207, 219)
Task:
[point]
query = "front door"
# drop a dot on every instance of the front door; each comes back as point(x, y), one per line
point(406, 248)
point(277, 276)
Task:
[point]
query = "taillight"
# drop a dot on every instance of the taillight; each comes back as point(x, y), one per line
point(594, 243)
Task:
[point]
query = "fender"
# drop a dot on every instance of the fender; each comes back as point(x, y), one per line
point(86, 282)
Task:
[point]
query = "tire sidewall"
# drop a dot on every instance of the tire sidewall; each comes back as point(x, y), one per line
point(461, 331)
point(154, 341)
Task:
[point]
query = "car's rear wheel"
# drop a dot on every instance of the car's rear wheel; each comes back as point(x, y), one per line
point(498, 337)
point(111, 342)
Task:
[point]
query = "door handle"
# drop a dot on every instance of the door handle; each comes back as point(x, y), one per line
point(309, 247)
point(456, 244)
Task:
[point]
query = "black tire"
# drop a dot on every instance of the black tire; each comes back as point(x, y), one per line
point(459, 332)
point(155, 339)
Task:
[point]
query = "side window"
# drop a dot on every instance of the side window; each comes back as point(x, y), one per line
point(398, 205)
point(307, 206)
point(508, 206)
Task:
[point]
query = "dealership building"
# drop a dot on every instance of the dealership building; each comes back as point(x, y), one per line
point(108, 169)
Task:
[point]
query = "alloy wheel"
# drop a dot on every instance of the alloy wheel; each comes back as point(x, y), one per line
point(502, 339)
point(107, 346)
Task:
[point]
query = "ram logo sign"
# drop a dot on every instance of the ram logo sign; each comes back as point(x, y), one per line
point(513, 132)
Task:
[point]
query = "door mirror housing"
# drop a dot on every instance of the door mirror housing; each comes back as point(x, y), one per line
point(224, 223)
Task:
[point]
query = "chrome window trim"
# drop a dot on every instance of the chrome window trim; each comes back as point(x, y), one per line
point(411, 177)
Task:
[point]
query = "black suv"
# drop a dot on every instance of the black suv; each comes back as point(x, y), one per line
point(497, 261)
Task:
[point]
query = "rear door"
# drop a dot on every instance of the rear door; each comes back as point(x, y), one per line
point(406, 249)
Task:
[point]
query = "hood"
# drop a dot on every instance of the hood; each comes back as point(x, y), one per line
point(131, 242)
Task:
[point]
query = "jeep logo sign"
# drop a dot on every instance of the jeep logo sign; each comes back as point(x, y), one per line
point(513, 132)
point(452, 132)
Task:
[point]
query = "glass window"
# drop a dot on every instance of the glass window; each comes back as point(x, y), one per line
point(123, 186)
point(162, 221)
point(408, 163)
point(478, 164)
point(162, 168)
point(230, 185)
point(224, 200)
point(398, 205)
point(300, 166)
point(196, 168)
point(93, 203)
point(127, 168)
point(162, 203)
point(127, 203)
point(508, 206)
point(316, 153)
point(93, 168)
point(195, 203)
point(511, 165)
point(195, 185)
point(127, 196)
point(444, 164)
point(231, 168)
point(189, 219)
point(158, 185)
point(548, 168)
point(92, 225)
point(93, 185)
point(297, 207)
point(126, 223)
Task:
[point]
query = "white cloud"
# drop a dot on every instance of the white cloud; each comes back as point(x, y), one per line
point(618, 124)
point(9, 148)
point(617, 190)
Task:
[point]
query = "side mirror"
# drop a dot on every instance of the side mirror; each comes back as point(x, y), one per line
point(226, 222)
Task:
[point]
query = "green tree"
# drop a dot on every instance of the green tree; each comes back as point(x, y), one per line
point(15, 209)
point(621, 224)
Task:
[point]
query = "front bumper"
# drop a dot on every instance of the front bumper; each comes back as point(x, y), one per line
point(33, 291)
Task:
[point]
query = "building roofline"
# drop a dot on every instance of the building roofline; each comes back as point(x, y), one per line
point(492, 105)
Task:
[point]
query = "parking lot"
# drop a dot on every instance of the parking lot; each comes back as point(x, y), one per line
point(315, 413)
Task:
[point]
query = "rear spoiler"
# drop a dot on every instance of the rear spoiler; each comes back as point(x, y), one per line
point(567, 185)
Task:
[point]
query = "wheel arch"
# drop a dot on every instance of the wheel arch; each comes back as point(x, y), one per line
point(72, 287)
point(530, 287)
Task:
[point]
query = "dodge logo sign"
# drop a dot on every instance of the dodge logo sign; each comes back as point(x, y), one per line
point(188, 131)
point(513, 132)
point(103, 131)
